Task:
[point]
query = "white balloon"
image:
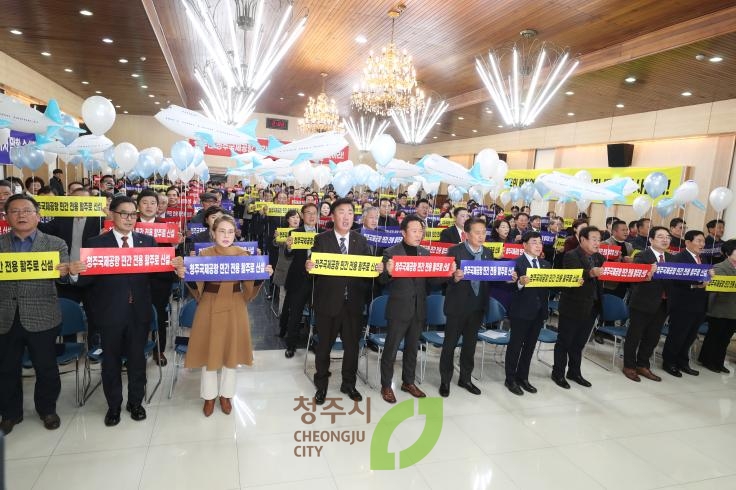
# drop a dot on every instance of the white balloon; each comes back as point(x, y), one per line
point(200, 169)
point(505, 197)
point(687, 192)
point(412, 190)
point(303, 174)
point(187, 174)
point(172, 174)
point(583, 176)
point(322, 176)
point(502, 168)
point(642, 205)
point(126, 156)
point(155, 152)
point(583, 205)
point(487, 159)
point(720, 198)
point(383, 149)
point(431, 187)
point(98, 114)
point(49, 158)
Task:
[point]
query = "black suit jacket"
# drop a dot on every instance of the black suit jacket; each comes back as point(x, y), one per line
point(63, 227)
point(529, 303)
point(387, 221)
point(459, 295)
point(407, 295)
point(682, 297)
point(297, 276)
point(450, 235)
point(579, 301)
point(647, 295)
point(109, 303)
point(332, 288)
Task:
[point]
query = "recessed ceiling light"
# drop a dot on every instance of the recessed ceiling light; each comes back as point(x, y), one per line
point(620, 106)
point(301, 94)
point(157, 102)
point(686, 94)
point(716, 59)
point(438, 124)
point(98, 91)
point(16, 32)
point(144, 86)
point(475, 130)
point(460, 118)
point(569, 92)
point(434, 137)
point(453, 134)
point(361, 39)
point(570, 113)
point(107, 40)
point(500, 125)
point(281, 98)
point(125, 112)
point(85, 12)
point(151, 96)
point(68, 70)
point(143, 58)
point(45, 53)
point(117, 106)
point(488, 111)
point(630, 79)
point(85, 82)
point(134, 75)
point(122, 60)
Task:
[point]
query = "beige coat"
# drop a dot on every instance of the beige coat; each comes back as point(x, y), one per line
point(221, 330)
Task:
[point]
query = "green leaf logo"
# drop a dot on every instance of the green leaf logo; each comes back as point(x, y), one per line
point(381, 458)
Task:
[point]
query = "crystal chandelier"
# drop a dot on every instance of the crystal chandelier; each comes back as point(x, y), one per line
point(242, 55)
point(320, 115)
point(363, 134)
point(415, 123)
point(537, 71)
point(389, 79)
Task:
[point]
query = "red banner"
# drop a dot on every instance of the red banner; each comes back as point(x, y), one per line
point(179, 212)
point(610, 252)
point(623, 272)
point(135, 260)
point(4, 227)
point(405, 266)
point(161, 232)
point(512, 250)
point(224, 150)
point(323, 220)
point(436, 248)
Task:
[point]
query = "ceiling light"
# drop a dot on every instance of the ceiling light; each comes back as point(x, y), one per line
point(144, 86)
point(434, 137)
point(16, 32)
point(85, 12)
point(453, 134)
point(122, 60)
point(460, 118)
point(620, 106)
point(438, 124)
point(134, 75)
point(157, 102)
point(489, 111)
point(361, 39)
point(143, 58)
point(630, 79)
point(321, 114)
point(475, 130)
point(68, 70)
point(301, 94)
point(117, 106)
point(85, 82)
point(45, 53)
point(716, 59)
point(686, 94)
point(151, 96)
point(415, 122)
point(281, 98)
point(500, 125)
point(570, 113)
point(364, 134)
point(125, 112)
point(569, 92)
point(107, 40)
point(98, 91)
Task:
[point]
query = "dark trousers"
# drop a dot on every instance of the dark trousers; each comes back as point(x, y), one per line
point(127, 339)
point(467, 325)
point(642, 337)
point(348, 326)
point(42, 349)
point(160, 298)
point(409, 331)
point(522, 341)
point(683, 330)
point(715, 345)
point(296, 299)
point(572, 335)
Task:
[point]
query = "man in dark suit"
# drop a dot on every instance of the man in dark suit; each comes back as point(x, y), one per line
point(30, 318)
point(340, 302)
point(522, 226)
point(686, 305)
point(456, 233)
point(465, 304)
point(647, 309)
point(406, 311)
point(578, 308)
point(385, 218)
point(640, 241)
point(298, 284)
point(122, 309)
point(55, 182)
point(527, 312)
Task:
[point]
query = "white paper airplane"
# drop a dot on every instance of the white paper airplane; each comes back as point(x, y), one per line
point(399, 169)
point(437, 168)
point(194, 125)
point(84, 146)
point(315, 147)
point(277, 168)
point(569, 187)
point(18, 116)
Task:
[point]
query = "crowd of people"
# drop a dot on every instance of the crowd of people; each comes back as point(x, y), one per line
point(120, 307)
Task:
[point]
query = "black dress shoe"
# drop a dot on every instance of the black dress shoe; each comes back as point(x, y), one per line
point(561, 382)
point(468, 385)
point(289, 353)
point(51, 421)
point(513, 387)
point(137, 412)
point(352, 393)
point(6, 426)
point(319, 397)
point(672, 370)
point(444, 390)
point(579, 380)
point(527, 386)
point(690, 371)
point(724, 370)
point(714, 369)
point(112, 417)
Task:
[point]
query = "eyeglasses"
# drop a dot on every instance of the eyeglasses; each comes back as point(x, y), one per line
point(126, 215)
point(22, 212)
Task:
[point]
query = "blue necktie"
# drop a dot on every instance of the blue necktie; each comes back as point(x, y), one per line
point(535, 264)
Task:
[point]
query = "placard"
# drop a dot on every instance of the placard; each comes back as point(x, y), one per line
point(326, 264)
point(676, 271)
point(130, 260)
point(624, 272)
point(415, 266)
point(29, 265)
point(251, 247)
point(722, 284)
point(161, 232)
point(554, 278)
point(71, 206)
point(436, 248)
point(487, 270)
point(226, 268)
point(302, 240)
point(610, 252)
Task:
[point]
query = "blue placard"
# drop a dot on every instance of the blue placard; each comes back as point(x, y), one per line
point(487, 270)
point(251, 247)
point(196, 228)
point(548, 238)
point(227, 205)
point(390, 230)
point(15, 140)
point(226, 268)
point(381, 238)
point(682, 272)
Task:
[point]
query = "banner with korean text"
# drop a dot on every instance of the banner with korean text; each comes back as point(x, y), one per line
point(610, 252)
point(251, 247)
point(414, 266)
point(487, 270)
point(302, 240)
point(326, 264)
point(554, 278)
point(282, 234)
point(161, 232)
point(71, 206)
point(682, 272)
point(381, 238)
point(226, 268)
point(505, 250)
point(280, 209)
point(29, 265)
point(722, 284)
point(135, 260)
point(624, 272)
point(436, 248)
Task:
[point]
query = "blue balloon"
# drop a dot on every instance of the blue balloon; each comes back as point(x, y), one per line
point(665, 207)
point(456, 194)
point(342, 183)
point(527, 191)
point(146, 165)
point(16, 156)
point(515, 194)
point(655, 184)
point(198, 156)
point(183, 154)
point(374, 182)
point(33, 158)
point(541, 188)
point(66, 136)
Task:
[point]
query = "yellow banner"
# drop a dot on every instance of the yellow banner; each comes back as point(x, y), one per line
point(159, 186)
point(432, 234)
point(358, 209)
point(554, 278)
point(560, 242)
point(281, 209)
point(496, 248)
point(568, 222)
point(447, 221)
point(387, 196)
point(282, 234)
point(302, 240)
point(344, 265)
point(28, 265)
point(722, 284)
point(71, 206)
point(601, 174)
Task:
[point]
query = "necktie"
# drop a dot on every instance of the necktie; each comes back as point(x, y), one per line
point(463, 236)
point(126, 245)
point(535, 264)
point(660, 260)
point(697, 259)
point(344, 250)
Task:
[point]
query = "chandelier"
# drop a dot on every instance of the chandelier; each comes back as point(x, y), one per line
point(242, 54)
point(363, 134)
point(535, 70)
point(415, 123)
point(320, 115)
point(389, 79)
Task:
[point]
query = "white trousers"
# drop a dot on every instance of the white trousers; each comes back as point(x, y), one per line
point(208, 386)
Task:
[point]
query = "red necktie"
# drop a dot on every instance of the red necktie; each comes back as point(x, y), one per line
point(462, 236)
point(661, 259)
point(697, 259)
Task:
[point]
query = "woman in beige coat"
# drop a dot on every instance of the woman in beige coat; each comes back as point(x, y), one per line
point(220, 338)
